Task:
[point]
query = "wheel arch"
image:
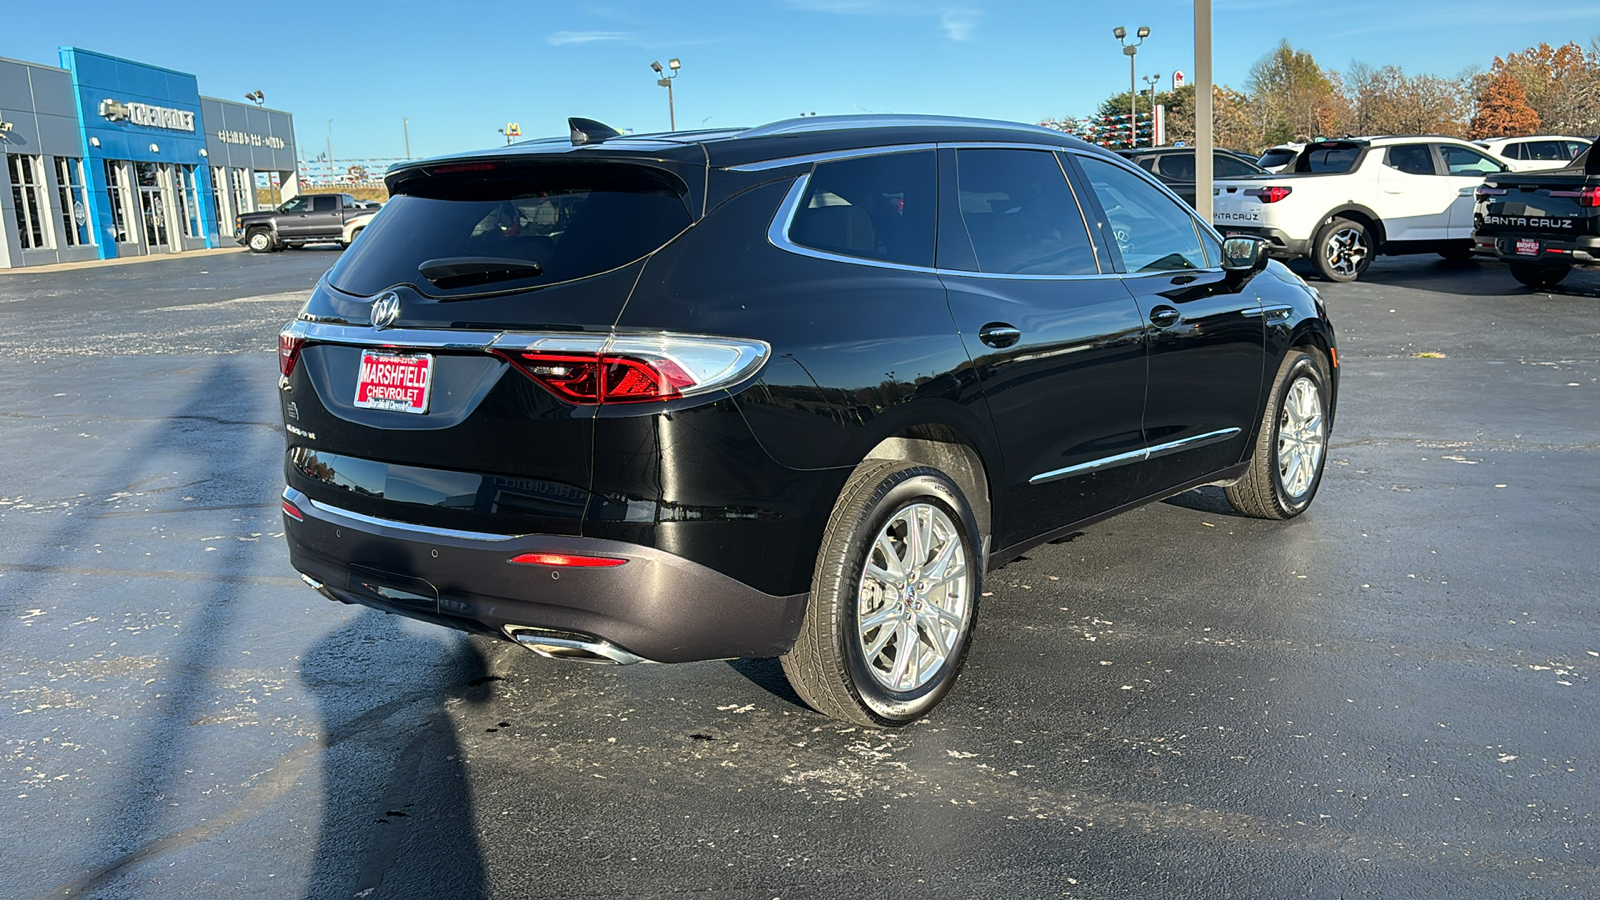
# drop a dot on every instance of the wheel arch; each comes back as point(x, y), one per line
point(1357, 213)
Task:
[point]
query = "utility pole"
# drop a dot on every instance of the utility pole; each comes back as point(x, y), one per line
point(405, 124)
point(1202, 109)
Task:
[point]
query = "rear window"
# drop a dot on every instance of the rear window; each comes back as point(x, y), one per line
point(1273, 158)
point(521, 229)
point(1327, 158)
point(873, 207)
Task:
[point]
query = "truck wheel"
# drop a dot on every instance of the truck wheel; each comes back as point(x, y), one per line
point(893, 598)
point(1540, 278)
point(1291, 446)
point(1342, 250)
point(260, 241)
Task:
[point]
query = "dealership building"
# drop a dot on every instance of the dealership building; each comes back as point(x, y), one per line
point(107, 157)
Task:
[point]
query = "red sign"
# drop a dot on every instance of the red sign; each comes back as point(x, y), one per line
point(1177, 80)
point(1527, 247)
point(394, 382)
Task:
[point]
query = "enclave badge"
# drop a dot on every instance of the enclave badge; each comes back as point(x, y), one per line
point(385, 309)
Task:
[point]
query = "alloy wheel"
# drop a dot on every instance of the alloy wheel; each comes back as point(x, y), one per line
point(914, 598)
point(1346, 251)
point(1302, 437)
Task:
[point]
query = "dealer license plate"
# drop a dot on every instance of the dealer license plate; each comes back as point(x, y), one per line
point(1527, 247)
point(397, 382)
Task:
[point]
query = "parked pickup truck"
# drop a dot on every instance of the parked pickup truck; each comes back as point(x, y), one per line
point(306, 219)
point(1543, 224)
point(1342, 203)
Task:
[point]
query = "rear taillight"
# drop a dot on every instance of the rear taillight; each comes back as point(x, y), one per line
point(289, 345)
point(1268, 194)
point(603, 378)
point(567, 560)
point(1587, 196)
point(632, 368)
point(293, 512)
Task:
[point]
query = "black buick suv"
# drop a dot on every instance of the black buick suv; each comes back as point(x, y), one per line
point(782, 391)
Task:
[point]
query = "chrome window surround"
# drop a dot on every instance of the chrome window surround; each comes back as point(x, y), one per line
point(298, 498)
point(446, 339)
point(778, 231)
point(1133, 456)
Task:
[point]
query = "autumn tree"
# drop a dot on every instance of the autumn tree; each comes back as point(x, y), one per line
point(1293, 98)
point(1503, 109)
point(1562, 85)
point(1388, 101)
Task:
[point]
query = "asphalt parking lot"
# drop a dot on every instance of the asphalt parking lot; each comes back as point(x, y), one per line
point(1392, 696)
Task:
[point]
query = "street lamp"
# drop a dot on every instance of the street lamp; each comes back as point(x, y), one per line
point(256, 97)
point(1130, 50)
point(666, 82)
point(1151, 81)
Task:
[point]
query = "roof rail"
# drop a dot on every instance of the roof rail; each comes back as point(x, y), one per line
point(807, 124)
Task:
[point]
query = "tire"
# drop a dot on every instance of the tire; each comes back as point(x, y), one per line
point(1291, 448)
point(1540, 278)
point(1457, 254)
point(850, 660)
point(259, 240)
point(1342, 250)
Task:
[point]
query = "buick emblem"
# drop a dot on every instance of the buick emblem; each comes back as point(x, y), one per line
point(385, 309)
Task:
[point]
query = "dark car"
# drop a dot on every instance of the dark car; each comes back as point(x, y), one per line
point(1541, 224)
point(1174, 166)
point(306, 219)
point(786, 391)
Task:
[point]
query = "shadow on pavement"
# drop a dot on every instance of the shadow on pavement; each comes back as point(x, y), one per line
point(397, 811)
point(767, 674)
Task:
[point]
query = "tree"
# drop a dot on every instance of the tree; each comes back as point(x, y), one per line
point(1293, 98)
point(1562, 85)
point(1503, 109)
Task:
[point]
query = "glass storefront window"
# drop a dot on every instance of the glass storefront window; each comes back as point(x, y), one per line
point(27, 191)
point(116, 186)
point(188, 200)
point(74, 211)
point(221, 216)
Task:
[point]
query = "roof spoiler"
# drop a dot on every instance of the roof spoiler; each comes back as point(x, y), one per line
point(588, 131)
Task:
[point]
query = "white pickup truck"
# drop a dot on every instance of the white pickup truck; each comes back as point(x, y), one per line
point(1343, 202)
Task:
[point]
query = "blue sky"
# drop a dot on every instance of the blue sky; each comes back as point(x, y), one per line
point(460, 71)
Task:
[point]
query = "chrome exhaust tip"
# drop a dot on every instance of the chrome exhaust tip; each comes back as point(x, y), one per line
point(573, 647)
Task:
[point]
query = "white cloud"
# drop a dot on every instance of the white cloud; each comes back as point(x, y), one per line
point(585, 37)
point(959, 22)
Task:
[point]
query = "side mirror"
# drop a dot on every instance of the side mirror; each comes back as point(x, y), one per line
point(1244, 254)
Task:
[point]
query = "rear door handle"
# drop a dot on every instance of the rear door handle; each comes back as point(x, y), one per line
point(1162, 316)
point(999, 335)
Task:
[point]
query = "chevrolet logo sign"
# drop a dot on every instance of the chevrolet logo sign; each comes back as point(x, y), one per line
point(114, 110)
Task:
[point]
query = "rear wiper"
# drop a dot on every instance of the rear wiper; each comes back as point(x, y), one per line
point(465, 271)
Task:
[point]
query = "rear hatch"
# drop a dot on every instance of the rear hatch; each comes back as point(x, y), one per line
point(1543, 214)
point(405, 395)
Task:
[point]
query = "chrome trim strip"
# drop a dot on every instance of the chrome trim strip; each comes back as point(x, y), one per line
point(1270, 312)
point(297, 498)
point(362, 335)
point(1131, 456)
point(827, 156)
point(597, 651)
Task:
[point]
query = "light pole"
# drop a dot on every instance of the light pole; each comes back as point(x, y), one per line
point(1150, 81)
point(1131, 50)
point(666, 82)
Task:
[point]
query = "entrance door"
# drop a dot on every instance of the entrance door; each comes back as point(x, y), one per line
point(152, 207)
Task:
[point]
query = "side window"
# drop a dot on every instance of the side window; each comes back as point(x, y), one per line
point(1412, 159)
point(1466, 161)
point(1223, 166)
point(301, 203)
point(1021, 215)
point(874, 207)
point(1548, 151)
point(1154, 233)
point(324, 203)
point(1575, 149)
point(1178, 166)
point(1147, 163)
point(1513, 151)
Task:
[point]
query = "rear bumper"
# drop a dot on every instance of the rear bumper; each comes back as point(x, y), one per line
point(655, 605)
point(1580, 250)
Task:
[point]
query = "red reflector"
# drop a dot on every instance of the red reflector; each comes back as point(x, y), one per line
point(289, 351)
point(293, 513)
point(603, 378)
point(1268, 194)
point(463, 167)
point(567, 560)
